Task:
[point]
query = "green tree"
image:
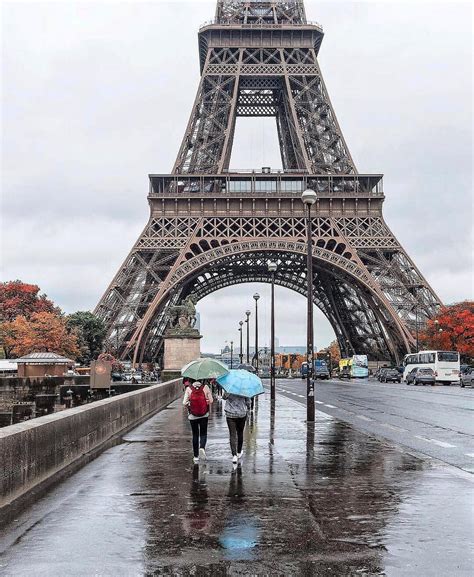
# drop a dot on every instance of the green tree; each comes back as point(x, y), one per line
point(90, 331)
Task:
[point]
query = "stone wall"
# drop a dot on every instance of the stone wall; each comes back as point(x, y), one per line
point(35, 453)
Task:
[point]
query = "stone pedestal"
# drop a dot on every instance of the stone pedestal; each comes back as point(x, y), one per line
point(181, 347)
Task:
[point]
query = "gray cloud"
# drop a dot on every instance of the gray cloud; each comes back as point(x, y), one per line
point(97, 95)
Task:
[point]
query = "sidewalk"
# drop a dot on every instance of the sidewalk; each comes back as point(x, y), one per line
point(331, 502)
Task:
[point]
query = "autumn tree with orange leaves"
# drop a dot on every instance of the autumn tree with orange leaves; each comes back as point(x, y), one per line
point(451, 330)
point(30, 322)
point(334, 351)
point(22, 299)
point(42, 332)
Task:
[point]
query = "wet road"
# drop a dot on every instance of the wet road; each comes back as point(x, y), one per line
point(327, 500)
point(435, 421)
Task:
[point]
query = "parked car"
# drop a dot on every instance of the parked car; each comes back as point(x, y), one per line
point(391, 375)
point(381, 373)
point(419, 376)
point(467, 377)
point(345, 373)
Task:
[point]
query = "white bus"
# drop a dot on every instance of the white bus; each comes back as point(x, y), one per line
point(445, 364)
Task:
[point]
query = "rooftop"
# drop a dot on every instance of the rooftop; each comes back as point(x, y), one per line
point(44, 358)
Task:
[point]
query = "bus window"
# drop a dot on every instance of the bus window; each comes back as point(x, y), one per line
point(448, 357)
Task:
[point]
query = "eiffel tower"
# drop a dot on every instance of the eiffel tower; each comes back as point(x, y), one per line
point(211, 227)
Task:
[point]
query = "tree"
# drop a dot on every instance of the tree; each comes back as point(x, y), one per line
point(451, 330)
point(21, 299)
point(90, 331)
point(334, 351)
point(42, 332)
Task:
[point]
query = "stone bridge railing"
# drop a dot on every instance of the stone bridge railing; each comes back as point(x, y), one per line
point(40, 452)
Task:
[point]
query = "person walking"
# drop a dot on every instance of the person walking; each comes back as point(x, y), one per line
point(198, 399)
point(236, 410)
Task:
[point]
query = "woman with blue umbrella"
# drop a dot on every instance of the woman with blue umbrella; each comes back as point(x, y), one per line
point(240, 387)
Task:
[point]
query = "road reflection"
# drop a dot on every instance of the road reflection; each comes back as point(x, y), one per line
point(307, 498)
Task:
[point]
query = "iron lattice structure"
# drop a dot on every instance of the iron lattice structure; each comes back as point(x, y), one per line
point(211, 227)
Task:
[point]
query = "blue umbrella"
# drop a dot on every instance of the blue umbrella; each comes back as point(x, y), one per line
point(242, 383)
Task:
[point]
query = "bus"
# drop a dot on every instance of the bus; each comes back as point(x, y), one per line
point(358, 366)
point(445, 364)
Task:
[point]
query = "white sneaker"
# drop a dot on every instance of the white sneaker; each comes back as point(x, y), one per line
point(202, 453)
point(195, 460)
point(234, 459)
point(239, 455)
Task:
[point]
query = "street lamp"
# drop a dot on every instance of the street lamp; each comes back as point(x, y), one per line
point(256, 296)
point(231, 353)
point(272, 268)
point(241, 352)
point(309, 198)
point(247, 314)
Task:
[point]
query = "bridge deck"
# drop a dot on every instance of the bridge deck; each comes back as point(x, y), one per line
point(337, 502)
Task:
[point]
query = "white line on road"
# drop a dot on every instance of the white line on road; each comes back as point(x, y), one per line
point(364, 418)
point(436, 442)
point(330, 406)
point(393, 427)
point(422, 438)
point(443, 444)
point(319, 402)
point(469, 455)
point(301, 396)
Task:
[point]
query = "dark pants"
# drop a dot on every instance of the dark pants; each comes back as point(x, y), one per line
point(199, 428)
point(236, 433)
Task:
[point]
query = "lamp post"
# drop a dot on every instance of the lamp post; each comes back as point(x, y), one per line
point(247, 314)
point(416, 326)
point(241, 352)
point(415, 294)
point(231, 353)
point(309, 198)
point(272, 268)
point(256, 296)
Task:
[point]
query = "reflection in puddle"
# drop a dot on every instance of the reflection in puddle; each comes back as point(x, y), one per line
point(239, 537)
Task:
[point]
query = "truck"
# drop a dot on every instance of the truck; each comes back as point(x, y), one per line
point(320, 369)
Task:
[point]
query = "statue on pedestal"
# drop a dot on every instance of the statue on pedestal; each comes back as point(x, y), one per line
point(183, 319)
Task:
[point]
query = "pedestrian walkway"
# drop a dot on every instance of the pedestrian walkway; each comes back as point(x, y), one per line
point(322, 501)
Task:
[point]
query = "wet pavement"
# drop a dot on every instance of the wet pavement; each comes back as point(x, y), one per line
point(436, 422)
point(328, 500)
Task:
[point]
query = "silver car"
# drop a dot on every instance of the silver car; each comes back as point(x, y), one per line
point(467, 378)
point(418, 376)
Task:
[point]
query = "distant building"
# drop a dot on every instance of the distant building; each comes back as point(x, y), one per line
point(8, 367)
point(298, 350)
point(43, 364)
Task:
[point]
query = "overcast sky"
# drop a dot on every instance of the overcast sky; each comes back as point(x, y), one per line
point(96, 95)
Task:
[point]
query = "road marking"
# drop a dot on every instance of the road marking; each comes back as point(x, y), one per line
point(364, 418)
point(393, 427)
point(443, 444)
point(436, 442)
point(330, 406)
point(301, 396)
point(469, 455)
point(422, 438)
point(319, 402)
